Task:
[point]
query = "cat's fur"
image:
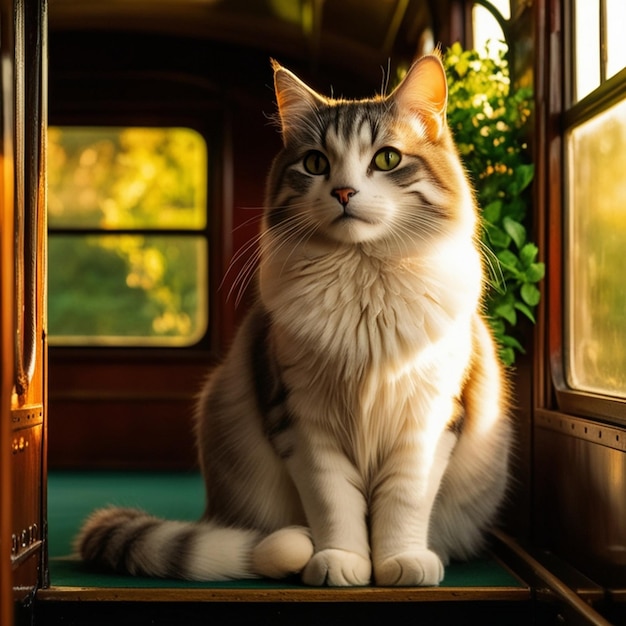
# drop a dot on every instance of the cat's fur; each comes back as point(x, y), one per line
point(357, 430)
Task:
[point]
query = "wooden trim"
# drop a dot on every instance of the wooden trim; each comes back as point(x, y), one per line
point(7, 291)
point(588, 430)
point(572, 592)
point(317, 595)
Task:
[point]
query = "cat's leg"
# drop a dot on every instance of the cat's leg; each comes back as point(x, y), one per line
point(336, 511)
point(400, 515)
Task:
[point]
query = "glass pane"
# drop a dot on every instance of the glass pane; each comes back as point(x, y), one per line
point(486, 31)
point(616, 41)
point(587, 47)
point(131, 290)
point(596, 291)
point(110, 178)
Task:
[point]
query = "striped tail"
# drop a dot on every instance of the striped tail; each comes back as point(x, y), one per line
point(130, 541)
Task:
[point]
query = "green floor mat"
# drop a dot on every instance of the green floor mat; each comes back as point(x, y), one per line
point(72, 496)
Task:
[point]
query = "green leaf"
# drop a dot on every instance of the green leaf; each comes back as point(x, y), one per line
point(497, 326)
point(492, 212)
point(524, 175)
point(525, 309)
point(530, 294)
point(515, 230)
point(461, 67)
point(535, 272)
point(497, 237)
point(507, 340)
point(516, 208)
point(507, 356)
point(456, 49)
point(508, 259)
point(528, 254)
point(507, 311)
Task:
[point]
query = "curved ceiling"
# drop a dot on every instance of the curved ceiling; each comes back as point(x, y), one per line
point(344, 33)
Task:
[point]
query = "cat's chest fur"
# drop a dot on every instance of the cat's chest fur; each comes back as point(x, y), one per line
point(359, 316)
point(369, 347)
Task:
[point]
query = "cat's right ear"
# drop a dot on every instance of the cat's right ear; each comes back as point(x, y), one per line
point(295, 100)
point(423, 93)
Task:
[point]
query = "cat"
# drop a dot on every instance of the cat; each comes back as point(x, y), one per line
point(358, 429)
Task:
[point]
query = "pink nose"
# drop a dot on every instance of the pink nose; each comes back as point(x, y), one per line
point(343, 195)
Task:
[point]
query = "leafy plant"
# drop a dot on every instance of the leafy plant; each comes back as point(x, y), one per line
point(489, 120)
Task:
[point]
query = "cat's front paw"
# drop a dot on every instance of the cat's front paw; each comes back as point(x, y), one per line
point(410, 569)
point(337, 568)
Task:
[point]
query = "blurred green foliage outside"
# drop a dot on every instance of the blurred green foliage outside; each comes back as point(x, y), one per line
point(116, 275)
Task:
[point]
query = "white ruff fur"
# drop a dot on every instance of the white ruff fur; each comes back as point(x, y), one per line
point(375, 343)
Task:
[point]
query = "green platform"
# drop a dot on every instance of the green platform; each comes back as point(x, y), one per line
point(71, 496)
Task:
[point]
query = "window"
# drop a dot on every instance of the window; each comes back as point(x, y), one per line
point(598, 43)
point(594, 344)
point(596, 293)
point(487, 29)
point(128, 251)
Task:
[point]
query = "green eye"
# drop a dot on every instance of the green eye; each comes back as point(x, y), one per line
point(316, 163)
point(387, 159)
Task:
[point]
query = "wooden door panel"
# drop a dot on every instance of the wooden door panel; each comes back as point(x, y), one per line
point(23, 125)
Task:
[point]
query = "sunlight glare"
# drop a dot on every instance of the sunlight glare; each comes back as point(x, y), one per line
point(616, 43)
point(488, 35)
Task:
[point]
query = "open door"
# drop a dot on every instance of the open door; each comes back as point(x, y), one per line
point(22, 315)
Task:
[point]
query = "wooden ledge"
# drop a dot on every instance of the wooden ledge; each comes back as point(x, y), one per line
point(222, 594)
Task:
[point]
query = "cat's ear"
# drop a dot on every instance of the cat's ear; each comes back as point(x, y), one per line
point(424, 93)
point(295, 99)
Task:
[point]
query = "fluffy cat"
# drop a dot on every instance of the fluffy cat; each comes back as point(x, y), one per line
point(357, 430)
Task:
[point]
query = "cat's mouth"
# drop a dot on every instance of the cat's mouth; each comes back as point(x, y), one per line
point(349, 215)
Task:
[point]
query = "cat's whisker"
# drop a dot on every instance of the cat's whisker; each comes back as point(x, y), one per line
point(247, 272)
point(495, 276)
point(243, 279)
point(250, 252)
point(294, 234)
point(248, 222)
point(246, 276)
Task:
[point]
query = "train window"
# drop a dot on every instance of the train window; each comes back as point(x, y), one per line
point(128, 250)
point(599, 51)
point(596, 299)
point(595, 202)
point(487, 28)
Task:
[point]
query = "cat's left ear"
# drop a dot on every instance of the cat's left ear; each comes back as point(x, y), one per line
point(295, 100)
point(424, 93)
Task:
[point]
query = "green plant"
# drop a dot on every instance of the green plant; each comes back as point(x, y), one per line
point(489, 120)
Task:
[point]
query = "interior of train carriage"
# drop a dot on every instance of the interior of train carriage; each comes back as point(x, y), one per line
point(136, 140)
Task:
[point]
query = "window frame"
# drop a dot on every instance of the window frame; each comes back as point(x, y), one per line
point(148, 231)
point(562, 115)
point(132, 109)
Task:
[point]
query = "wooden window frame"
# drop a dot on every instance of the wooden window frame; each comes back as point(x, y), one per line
point(207, 233)
point(133, 113)
point(557, 114)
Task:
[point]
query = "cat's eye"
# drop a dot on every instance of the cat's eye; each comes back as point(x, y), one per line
point(316, 163)
point(386, 159)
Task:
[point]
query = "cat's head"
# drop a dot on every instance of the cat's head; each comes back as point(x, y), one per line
point(381, 173)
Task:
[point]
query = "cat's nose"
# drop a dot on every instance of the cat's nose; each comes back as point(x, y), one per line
point(343, 195)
